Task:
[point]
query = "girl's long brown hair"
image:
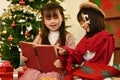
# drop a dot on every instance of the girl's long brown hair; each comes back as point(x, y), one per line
point(48, 11)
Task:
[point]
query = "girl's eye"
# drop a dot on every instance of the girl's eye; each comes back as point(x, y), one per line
point(56, 17)
point(83, 21)
point(47, 18)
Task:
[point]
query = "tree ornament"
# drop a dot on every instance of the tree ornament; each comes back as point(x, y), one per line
point(21, 31)
point(22, 2)
point(26, 33)
point(13, 25)
point(4, 31)
point(10, 38)
point(29, 28)
point(31, 0)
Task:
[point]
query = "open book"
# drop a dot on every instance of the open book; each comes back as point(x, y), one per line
point(40, 57)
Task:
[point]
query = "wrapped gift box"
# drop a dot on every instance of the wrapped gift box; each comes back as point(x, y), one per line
point(6, 69)
point(4, 63)
point(6, 76)
point(10, 75)
point(6, 72)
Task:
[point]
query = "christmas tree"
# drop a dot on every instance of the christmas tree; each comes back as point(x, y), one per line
point(20, 22)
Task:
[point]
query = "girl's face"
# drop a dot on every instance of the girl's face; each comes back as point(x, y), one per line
point(53, 23)
point(84, 23)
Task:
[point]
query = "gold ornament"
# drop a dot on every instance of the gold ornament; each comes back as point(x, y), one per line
point(4, 31)
point(31, 0)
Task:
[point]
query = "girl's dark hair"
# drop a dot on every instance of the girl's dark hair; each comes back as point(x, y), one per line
point(96, 20)
point(48, 11)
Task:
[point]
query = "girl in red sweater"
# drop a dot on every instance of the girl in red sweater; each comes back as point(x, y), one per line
point(94, 51)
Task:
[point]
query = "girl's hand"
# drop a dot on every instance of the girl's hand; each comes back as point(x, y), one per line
point(61, 51)
point(58, 63)
point(23, 58)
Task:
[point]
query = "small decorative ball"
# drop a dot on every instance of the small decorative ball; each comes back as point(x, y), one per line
point(4, 31)
point(13, 25)
point(22, 2)
point(26, 33)
point(31, 0)
point(10, 38)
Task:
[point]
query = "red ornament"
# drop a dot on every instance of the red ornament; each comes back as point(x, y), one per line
point(13, 25)
point(10, 38)
point(22, 2)
point(26, 33)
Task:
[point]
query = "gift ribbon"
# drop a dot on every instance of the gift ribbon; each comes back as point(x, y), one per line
point(15, 75)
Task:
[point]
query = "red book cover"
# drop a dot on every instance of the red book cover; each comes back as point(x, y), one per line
point(29, 52)
point(47, 55)
point(41, 57)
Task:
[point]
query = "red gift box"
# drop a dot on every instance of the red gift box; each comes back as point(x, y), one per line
point(6, 76)
point(10, 75)
point(6, 69)
point(6, 72)
point(4, 63)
